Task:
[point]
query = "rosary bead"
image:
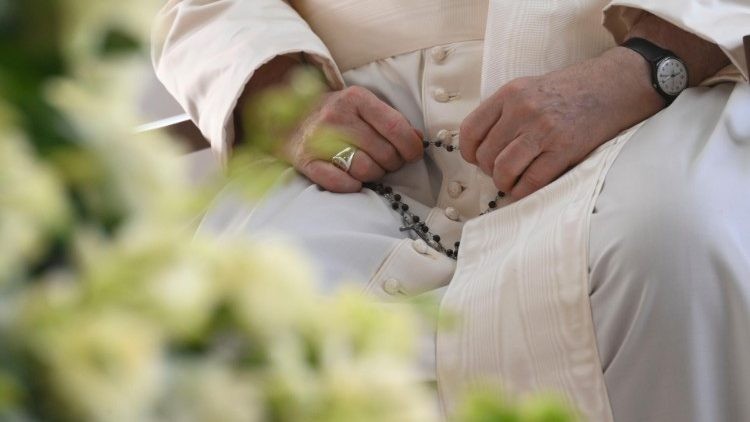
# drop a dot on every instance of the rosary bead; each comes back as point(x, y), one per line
point(416, 224)
point(438, 144)
point(449, 148)
point(425, 144)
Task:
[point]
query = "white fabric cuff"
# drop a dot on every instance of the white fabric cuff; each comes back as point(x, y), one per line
point(724, 23)
point(206, 52)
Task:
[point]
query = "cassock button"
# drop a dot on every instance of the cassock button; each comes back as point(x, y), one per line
point(439, 54)
point(420, 246)
point(441, 95)
point(455, 189)
point(452, 213)
point(392, 286)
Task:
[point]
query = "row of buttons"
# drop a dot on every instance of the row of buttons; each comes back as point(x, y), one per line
point(444, 134)
point(439, 54)
point(392, 286)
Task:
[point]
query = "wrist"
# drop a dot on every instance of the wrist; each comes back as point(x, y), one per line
point(634, 96)
point(273, 73)
point(702, 58)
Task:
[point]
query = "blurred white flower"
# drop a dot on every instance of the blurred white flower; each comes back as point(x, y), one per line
point(185, 296)
point(270, 284)
point(143, 175)
point(86, 23)
point(210, 390)
point(374, 389)
point(32, 204)
point(102, 366)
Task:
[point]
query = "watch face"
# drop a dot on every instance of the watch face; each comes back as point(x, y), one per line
point(672, 76)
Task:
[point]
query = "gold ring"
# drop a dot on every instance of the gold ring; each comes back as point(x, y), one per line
point(344, 158)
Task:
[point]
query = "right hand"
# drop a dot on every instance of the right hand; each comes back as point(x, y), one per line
point(384, 139)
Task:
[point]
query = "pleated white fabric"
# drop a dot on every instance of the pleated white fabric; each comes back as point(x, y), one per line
point(541, 38)
point(520, 292)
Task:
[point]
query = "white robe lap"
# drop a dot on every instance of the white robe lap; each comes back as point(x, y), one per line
point(670, 264)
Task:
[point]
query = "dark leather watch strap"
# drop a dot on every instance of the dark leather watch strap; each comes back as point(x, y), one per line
point(647, 49)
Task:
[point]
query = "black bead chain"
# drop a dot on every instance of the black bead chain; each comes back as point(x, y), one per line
point(438, 144)
point(414, 223)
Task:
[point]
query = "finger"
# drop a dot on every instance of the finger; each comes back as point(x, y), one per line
point(513, 160)
point(498, 138)
point(391, 125)
point(364, 168)
point(330, 177)
point(543, 170)
point(477, 125)
point(323, 143)
point(378, 148)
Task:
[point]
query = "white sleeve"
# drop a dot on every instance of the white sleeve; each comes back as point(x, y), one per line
point(205, 52)
point(722, 22)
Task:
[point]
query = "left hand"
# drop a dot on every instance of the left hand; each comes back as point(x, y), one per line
point(533, 129)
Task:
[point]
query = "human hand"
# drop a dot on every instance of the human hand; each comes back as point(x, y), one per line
point(384, 139)
point(533, 129)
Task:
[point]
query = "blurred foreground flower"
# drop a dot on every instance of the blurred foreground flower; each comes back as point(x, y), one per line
point(32, 203)
point(111, 309)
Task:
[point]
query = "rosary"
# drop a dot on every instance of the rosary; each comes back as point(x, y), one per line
point(413, 223)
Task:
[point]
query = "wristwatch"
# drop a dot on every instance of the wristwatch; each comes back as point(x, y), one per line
point(669, 75)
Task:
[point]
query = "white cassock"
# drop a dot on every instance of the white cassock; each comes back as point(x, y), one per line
point(624, 285)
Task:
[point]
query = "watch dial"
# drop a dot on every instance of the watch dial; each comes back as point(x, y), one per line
point(672, 76)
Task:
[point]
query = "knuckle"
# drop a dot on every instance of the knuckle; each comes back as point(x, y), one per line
point(304, 165)
point(465, 154)
point(514, 87)
point(533, 180)
point(394, 126)
point(485, 163)
point(367, 167)
point(328, 115)
point(362, 170)
point(502, 175)
point(530, 144)
point(413, 153)
point(354, 92)
point(468, 132)
point(546, 123)
point(367, 172)
point(392, 161)
point(528, 106)
point(337, 184)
